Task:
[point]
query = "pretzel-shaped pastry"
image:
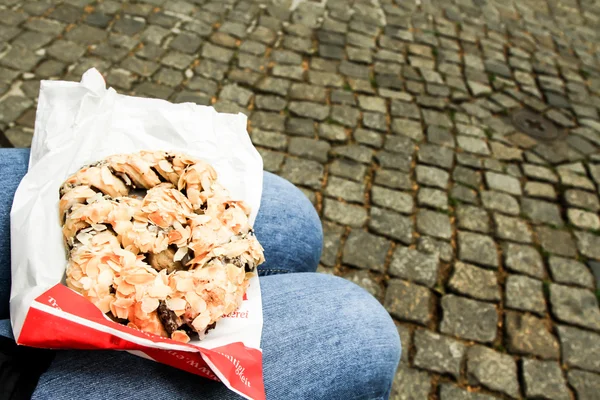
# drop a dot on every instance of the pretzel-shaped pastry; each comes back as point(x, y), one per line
point(157, 243)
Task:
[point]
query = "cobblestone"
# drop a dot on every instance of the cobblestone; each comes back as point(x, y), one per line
point(474, 282)
point(579, 348)
point(364, 250)
point(468, 319)
point(414, 266)
point(544, 379)
point(409, 302)
point(585, 384)
point(575, 306)
point(493, 370)
point(476, 248)
point(527, 334)
point(438, 353)
point(525, 294)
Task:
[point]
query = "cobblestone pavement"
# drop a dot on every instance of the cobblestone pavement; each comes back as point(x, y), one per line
point(395, 120)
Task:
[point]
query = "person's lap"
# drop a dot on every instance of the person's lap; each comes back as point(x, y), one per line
point(323, 337)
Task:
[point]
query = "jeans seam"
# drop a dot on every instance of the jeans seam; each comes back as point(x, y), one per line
point(263, 272)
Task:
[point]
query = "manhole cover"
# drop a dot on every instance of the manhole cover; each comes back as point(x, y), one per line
point(534, 125)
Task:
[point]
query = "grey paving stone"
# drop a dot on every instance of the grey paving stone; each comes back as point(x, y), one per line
point(436, 155)
point(345, 189)
point(556, 242)
point(406, 341)
point(303, 172)
point(430, 176)
point(186, 43)
point(544, 379)
point(571, 272)
point(409, 302)
point(474, 282)
point(354, 152)
point(306, 109)
point(12, 107)
point(575, 306)
point(270, 103)
point(325, 79)
point(437, 247)
point(539, 172)
point(371, 138)
point(441, 136)
point(433, 198)
point(434, 224)
point(397, 201)
point(236, 94)
point(473, 145)
point(405, 110)
point(313, 149)
point(272, 160)
point(414, 266)
point(513, 229)
point(342, 97)
point(582, 199)
point(493, 370)
point(588, 244)
point(468, 319)
point(20, 58)
point(399, 161)
point(297, 126)
point(438, 353)
point(268, 121)
point(460, 193)
point(579, 348)
point(585, 384)
point(472, 218)
point(128, 26)
point(467, 176)
point(450, 392)
point(435, 118)
point(345, 115)
point(332, 133)
point(506, 153)
point(477, 248)
point(348, 169)
point(525, 294)
point(529, 335)
point(371, 103)
point(393, 179)
point(345, 214)
point(583, 219)
point(391, 224)
point(570, 179)
point(302, 91)
point(332, 237)
point(410, 384)
point(523, 259)
point(408, 128)
point(366, 251)
point(375, 121)
point(541, 190)
point(503, 183)
point(539, 211)
point(274, 85)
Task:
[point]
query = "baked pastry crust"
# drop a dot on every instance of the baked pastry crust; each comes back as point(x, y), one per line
point(155, 242)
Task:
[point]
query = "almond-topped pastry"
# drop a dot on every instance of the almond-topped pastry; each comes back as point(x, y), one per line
point(157, 243)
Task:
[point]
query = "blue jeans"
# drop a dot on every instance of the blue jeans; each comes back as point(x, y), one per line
point(323, 337)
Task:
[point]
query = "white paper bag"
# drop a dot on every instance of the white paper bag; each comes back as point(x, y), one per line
point(81, 123)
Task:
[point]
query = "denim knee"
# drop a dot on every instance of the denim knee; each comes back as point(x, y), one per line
point(288, 227)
